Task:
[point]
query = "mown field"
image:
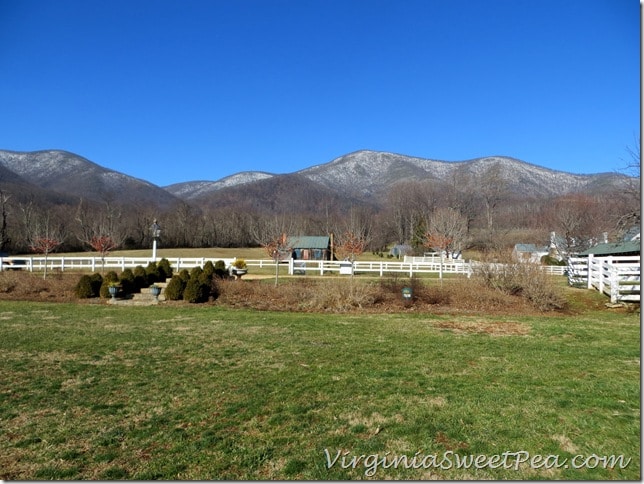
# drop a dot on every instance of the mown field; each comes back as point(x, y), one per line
point(93, 391)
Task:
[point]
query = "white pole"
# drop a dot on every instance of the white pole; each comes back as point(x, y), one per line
point(154, 249)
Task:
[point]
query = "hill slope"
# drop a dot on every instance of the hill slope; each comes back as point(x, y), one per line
point(72, 175)
point(360, 176)
point(371, 172)
point(367, 175)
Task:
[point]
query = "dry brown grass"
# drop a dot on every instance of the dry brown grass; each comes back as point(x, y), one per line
point(309, 294)
point(19, 286)
point(493, 328)
point(461, 296)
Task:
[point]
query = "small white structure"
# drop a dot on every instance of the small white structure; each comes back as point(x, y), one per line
point(529, 253)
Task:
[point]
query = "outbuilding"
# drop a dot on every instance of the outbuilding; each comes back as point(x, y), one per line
point(307, 247)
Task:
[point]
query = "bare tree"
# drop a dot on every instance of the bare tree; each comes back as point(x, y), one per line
point(350, 245)
point(271, 234)
point(96, 224)
point(579, 220)
point(408, 204)
point(447, 231)
point(5, 240)
point(492, 188)
point(103, 244)
point(278, 249)
point(45, 245)
point(633, 190)
point(461, 193)
point(44, 235)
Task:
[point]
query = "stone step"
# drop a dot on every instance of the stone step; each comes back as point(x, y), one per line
point(142, 298)
point(146, 294)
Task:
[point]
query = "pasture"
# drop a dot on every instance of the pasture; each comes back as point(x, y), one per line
point(93, 391)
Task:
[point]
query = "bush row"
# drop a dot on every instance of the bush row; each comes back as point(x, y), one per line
point(198, 285)
point(129, 281)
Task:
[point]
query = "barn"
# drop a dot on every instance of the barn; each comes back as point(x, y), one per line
point(309, 247)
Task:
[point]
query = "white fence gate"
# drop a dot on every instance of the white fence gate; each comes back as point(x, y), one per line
point(617, 277)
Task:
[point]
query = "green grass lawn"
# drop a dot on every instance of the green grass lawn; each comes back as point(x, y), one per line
point(102, 392)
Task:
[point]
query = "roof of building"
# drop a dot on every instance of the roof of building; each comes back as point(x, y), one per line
point(614, 248)
point(309, 242)
point(530, 248)
point(633, 233)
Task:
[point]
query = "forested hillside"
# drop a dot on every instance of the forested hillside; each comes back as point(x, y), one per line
point(488, 203)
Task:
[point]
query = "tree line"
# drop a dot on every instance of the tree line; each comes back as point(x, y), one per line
point(467, 212)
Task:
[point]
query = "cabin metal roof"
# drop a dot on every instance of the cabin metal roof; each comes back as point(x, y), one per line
point(309, 242)
point(530, 248)
point(614, 248)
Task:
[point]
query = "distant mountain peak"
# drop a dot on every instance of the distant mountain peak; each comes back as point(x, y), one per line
point(72, 175)
point(193, 189)
point(361, 175)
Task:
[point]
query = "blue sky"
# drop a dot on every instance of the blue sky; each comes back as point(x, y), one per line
point(172, 91)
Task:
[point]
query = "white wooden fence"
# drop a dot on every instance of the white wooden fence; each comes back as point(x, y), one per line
point(63, 264)
point(617, 277)
point(409, 265)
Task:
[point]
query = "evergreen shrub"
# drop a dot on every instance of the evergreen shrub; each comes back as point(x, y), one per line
point(140, 278)
point(546, 260)
point(220, 269)
point(209, 269)
point(152, 273)
point(84, 288)
point(196, 290)
point(174, 289)
point(184, 275)
point(126, 279)
point(195, 272)
point(109, 278)
point(165, 269)
point(97, 281)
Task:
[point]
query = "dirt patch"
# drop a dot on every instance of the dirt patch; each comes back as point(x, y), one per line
point(500, 328)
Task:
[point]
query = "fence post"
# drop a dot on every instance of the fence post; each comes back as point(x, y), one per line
point(601, 275)
point(614, 283)
point(589, 273)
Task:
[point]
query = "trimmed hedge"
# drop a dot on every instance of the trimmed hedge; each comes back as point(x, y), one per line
point(174, 289)
point(84, 288)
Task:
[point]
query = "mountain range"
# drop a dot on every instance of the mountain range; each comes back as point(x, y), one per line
point(362, 176)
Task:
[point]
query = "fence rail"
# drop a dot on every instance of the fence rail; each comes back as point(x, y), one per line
point(39, 263)
point(617, 277)
point(408, 266)
point(378, 267)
